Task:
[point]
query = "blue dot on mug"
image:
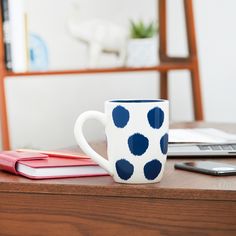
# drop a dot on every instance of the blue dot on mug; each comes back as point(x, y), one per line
point(164, 143)
point(120, 116)
point(152, 169)
point(138, 144)
point(155, 117)
point(124, 169)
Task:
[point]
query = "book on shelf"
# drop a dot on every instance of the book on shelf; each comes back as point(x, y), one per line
point(18, 25)
point(6, 33)
point(41, 166)
point(15, 35)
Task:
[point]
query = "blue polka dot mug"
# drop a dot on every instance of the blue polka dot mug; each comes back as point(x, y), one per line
point(137, 139)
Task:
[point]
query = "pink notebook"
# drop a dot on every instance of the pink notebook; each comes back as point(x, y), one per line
point(37, 166)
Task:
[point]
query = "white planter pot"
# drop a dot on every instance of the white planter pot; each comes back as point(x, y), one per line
point(142, 52)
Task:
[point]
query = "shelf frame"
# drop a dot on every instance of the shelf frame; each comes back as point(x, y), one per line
point(161, 68)
point(167, 64)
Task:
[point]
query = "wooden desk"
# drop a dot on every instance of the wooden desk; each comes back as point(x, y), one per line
point(183, 203)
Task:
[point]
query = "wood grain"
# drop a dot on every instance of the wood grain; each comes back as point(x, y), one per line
point(38, 214)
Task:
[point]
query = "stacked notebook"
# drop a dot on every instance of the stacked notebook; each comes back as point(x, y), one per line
point(35, 165)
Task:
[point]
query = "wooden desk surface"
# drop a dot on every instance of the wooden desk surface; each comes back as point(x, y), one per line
point(182, 203)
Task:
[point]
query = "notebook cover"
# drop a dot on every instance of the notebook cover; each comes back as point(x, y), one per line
point(51, 162)
point(8, 159)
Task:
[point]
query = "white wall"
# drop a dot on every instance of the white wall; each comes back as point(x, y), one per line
point(42, 111)
point(217, 50)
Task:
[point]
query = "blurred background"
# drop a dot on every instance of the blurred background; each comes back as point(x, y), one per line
point(42, 110)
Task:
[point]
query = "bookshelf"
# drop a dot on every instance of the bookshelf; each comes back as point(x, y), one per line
point(167, 64)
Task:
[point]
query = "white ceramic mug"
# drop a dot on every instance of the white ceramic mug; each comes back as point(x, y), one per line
point(137, 139)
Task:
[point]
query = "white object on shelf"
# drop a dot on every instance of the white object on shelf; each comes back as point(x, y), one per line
point(18, 25)
point(102, 37)
point(142, 52)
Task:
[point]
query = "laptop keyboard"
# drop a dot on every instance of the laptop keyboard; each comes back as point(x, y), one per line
point(219, 147)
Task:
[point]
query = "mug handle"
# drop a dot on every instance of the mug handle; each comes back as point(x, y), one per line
point(79, 136)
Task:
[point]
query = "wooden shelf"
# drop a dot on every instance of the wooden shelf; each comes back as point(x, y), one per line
point(167, 64)
point(162, 67)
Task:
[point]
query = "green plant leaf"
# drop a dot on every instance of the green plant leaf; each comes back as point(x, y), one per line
point(141, 30)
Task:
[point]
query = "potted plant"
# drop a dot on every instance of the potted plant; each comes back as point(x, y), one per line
point(142, 44)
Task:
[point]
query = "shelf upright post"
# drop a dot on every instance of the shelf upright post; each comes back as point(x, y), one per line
point(192, 59)
point(192, 47)
point(163, 48)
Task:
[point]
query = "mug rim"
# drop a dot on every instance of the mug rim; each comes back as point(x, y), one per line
point(138, 101)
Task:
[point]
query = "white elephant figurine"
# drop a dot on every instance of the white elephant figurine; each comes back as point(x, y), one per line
point(102, 37)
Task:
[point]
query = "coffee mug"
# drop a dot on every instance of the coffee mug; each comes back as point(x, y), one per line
point(137, 139)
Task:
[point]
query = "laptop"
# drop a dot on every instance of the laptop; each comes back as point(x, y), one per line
point(201, 142)
point(226, 149)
